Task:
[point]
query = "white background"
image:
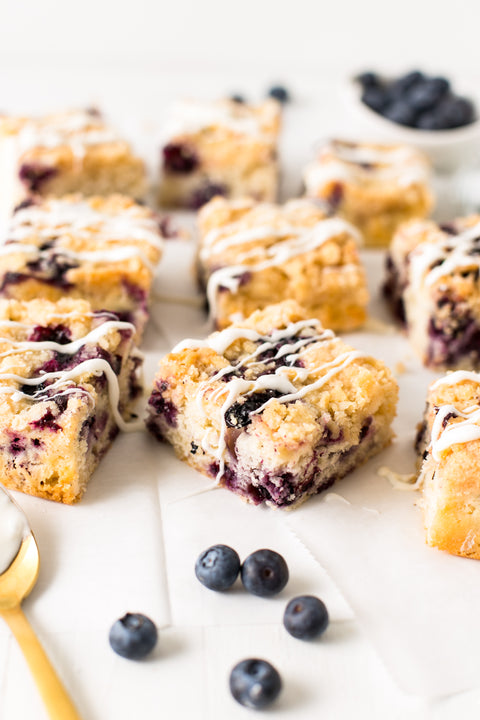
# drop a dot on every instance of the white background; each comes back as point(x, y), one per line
point(132, 59)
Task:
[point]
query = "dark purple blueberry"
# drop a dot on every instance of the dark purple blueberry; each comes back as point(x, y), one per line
point(205, 193)
point(179, 158)
point(164, 408)
point(280, 93)
point(34, 175)
point(368, 80)
point(255, 683)
point(456, 112)
point(236, 97)
point(425, 95)
point(401, 112)
point(430, 120)
point(264, 573)
point(238, 414)
point(133, 636)
point(193, 448)
point(305, 617)
point(16, 446)
point(375, 98)
point(51, 333)
point(398, 88)
point(47, 421)
point(217, 568)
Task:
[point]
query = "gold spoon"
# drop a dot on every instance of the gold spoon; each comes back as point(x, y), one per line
point(15, 584)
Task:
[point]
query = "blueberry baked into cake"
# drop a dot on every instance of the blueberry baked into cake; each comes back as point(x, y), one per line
point(448, 445)
point(433, 285)
point(101, 249)
point(68, 379)
point(274, 408)
point(254, 254)
point(375, 187)
point(73, 151)
point(220, 147)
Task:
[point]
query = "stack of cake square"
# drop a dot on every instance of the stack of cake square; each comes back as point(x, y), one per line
point(75, 277)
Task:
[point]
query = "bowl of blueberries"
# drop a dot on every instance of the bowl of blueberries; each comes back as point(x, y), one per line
point(423, 110)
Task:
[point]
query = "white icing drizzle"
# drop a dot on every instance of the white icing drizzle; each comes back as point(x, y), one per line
point(94, 366)
point(77, 129)
point(450, 253)
point(280, 380)
point(303, 241)
point(341, 161)
point(78, 218)
point(13, 530)
point(191, 116)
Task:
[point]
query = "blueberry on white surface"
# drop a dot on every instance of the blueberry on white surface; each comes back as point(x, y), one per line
point(217, 568)
point(133, 636)
point(255, 683)
point(305, 617)
point(264, 573)
point(280, 93)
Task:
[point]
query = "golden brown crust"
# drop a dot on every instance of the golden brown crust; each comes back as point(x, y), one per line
point(376, 196)
point(327, 278)
point(451, 483)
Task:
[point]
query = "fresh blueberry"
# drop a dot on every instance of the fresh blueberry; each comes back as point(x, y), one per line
point(264, 573)
point(404, 83)
point(456, 111)
point(368, 80)
point(280, 93)
point(239, 414)
point(179, 158)
point(430, 120)
point(240, 99)
point(400, 112)
point(427, 94)
point(133, 636)
point(255, 683)
point(305, 617)
point(217, 568)
point(375, 98)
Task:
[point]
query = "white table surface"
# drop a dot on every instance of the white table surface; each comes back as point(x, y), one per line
point(132, 542)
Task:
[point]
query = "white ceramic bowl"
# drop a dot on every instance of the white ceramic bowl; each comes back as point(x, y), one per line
point(448, 150)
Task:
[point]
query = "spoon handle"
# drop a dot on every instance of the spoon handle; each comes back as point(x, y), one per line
point(54, 695)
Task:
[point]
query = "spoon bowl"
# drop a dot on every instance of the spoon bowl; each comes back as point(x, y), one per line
point(20, 577)
point(16, 582)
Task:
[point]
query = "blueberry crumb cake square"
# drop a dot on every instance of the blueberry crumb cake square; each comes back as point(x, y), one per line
point(219, 147)
point(68, 381)
point(433, 285)
point(373, 186)
point(275, 408)
point(255, 254)
point(67, 152)
point(448, 445)
point(101, 249)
